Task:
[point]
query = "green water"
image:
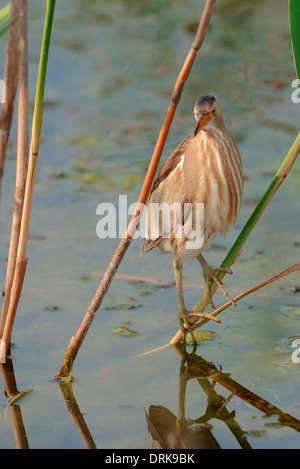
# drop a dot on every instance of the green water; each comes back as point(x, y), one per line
point(112, 67)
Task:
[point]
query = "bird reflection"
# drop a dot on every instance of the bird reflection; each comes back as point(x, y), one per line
point(167, 431)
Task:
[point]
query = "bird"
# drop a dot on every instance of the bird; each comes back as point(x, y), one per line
point(196, 195)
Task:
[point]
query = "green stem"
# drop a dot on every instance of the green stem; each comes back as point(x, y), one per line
point(36, 128)
point(41, 79)
point(4, 13)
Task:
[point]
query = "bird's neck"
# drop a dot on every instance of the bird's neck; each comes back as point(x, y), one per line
point(215, 131)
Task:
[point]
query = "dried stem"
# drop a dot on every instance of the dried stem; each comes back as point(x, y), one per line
point(77, 416)
point(217, 311)
point(12, 392)
point(202, 321)
point(76, 341)
point(198, 368)
point(22, 159)
point(11, 81)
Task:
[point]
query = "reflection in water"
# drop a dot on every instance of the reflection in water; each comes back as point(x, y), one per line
point(166, 431)
point(11, 391)
point(77, 417)
point(16, 414)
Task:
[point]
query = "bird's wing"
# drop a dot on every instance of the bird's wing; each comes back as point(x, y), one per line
point(170, 164)
point(160, 224)
point(164, 221)
point(149, 244)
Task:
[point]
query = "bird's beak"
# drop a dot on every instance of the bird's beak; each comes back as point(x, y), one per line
point(202, 121)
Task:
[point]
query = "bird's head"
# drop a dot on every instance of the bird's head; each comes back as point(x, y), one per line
point(207, 111)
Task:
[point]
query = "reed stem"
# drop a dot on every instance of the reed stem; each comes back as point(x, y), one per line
point(11, 80)
point(22, 159)
point(201, 322)
point(21, 260)
point(76, 341)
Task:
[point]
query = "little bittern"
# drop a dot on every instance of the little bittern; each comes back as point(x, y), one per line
point(197, 195)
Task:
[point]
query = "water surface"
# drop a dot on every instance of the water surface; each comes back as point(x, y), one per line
point(112, 67)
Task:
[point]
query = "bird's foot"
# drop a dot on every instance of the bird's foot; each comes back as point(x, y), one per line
point(185, 327)
point(210, 274)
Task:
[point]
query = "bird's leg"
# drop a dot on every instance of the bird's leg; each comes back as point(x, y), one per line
point(183, 313)
point(211, 274)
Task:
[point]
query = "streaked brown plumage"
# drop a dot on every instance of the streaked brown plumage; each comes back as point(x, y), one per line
point(204, 169)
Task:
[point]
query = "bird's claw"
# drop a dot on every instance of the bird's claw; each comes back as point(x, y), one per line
point(211, 274)
point(185, 325)
point(204, 315)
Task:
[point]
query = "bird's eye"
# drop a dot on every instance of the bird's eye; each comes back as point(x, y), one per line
point(214, 110)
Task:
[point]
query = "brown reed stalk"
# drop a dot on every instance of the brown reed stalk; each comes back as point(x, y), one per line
point(12, 392)
point(11, 81)
point(22, 158)
point(217, 311)
point(77, 416)
point(201, 370)
point(76, 341)
point(177, 337)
